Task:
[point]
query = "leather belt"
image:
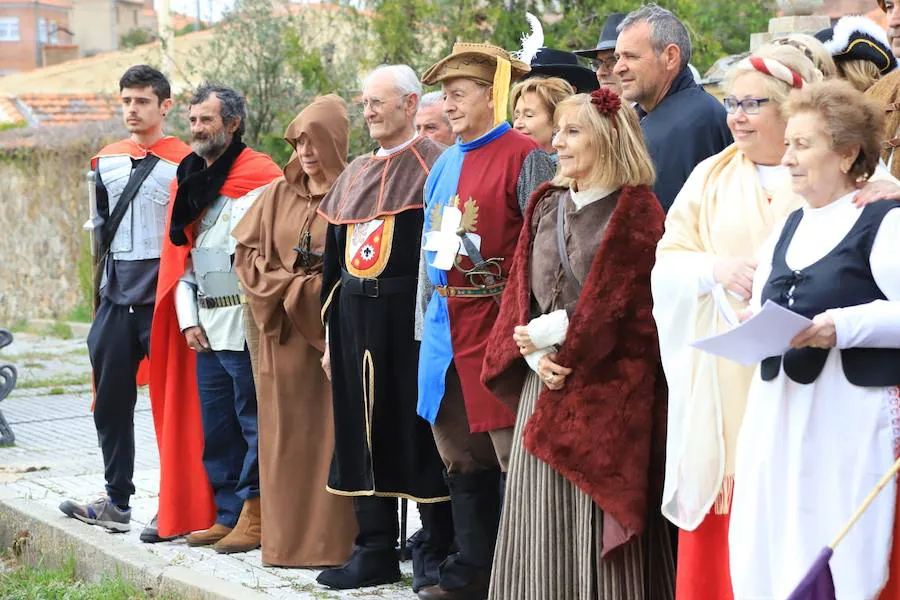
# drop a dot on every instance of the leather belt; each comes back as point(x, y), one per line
point(220, 301)
point(488, 290)
point(374, 288)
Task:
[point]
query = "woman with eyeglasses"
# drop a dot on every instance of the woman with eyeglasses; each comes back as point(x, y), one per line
point(705, 266)
point(823, 420)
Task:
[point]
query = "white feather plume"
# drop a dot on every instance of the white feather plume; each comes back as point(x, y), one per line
point(532, 42)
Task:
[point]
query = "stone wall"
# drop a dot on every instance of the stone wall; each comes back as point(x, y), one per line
point(44, 254)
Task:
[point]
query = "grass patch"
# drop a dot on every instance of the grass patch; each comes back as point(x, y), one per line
point(19, 326)
point(30, 583)
point(81, 314)
point(57, 329)
point(314, 590)
point(44, 356)
point(57, 391)
point(54, 382)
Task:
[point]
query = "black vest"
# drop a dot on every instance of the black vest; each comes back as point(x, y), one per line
point(839, 279)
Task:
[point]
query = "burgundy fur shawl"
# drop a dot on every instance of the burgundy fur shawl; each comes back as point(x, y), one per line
point(605, 430)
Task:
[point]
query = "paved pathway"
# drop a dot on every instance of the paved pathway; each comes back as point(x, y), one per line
point(56, 456)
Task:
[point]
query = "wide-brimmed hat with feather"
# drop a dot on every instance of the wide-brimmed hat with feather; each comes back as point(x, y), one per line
point(550, 62)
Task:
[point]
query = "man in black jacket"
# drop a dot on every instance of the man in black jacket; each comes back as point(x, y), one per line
point(682, 123)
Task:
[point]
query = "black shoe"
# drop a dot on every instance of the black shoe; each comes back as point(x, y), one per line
point(431, 545)
point(366, 567)
point(426, 562)
point(150, 533)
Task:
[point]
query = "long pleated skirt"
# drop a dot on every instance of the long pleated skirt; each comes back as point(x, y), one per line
point(551, 534)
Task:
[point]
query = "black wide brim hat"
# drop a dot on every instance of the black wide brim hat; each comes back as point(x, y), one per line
point(859, 38)
point(608, 36)
point(549, 62)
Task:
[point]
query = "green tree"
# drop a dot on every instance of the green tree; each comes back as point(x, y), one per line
point(136, 37)
point(249, 51)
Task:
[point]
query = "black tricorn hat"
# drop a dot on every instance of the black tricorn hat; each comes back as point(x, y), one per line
point(608, 36)
point(859, 38)
point(550, 62)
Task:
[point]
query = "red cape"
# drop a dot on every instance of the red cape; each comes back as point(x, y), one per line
point(185, 497)
point(170, 149)
point(605, 429)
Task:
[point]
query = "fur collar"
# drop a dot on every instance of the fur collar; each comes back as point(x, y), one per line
point(604, 431)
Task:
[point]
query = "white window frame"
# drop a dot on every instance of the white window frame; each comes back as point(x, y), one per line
point(10, 29)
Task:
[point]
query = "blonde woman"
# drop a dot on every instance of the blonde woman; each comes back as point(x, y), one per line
point(574, 348)
point(705, 265)
point(533, 102)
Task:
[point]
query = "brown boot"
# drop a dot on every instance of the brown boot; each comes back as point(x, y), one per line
point(247, 533)
point(208, 537)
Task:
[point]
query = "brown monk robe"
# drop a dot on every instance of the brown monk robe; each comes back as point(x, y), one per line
point(278, 260)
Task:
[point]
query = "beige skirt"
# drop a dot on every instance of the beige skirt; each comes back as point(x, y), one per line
point(551, 534)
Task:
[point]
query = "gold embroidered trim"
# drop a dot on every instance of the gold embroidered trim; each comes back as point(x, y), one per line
point(331, 490)
point(328, 300)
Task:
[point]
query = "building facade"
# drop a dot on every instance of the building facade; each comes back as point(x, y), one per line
point(28, 28)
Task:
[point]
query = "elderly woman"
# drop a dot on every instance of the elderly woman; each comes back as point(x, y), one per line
point(705, 265)
point(574, 348)
point(279, 262)
point(533, 102)
point(819, 428)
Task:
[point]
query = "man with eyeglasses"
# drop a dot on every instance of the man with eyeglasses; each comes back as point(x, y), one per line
point(682, 123)
point(382, 449)
point(603, 57)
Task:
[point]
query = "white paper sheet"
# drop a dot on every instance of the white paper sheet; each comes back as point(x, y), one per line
point(767, 333)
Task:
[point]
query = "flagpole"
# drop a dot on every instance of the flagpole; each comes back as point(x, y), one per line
point(859, 511)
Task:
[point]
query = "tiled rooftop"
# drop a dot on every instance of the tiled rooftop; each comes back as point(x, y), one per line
point(67, 109)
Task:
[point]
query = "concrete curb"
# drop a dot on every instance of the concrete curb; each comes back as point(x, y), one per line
point(37, 533)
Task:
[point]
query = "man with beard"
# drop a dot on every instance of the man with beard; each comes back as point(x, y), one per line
point(431, 121)
point(132, 179)
point(382, 450)
point(204, 398)
point(682, 123)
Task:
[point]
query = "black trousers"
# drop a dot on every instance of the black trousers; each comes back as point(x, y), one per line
point(379, 524)
point(119, 339)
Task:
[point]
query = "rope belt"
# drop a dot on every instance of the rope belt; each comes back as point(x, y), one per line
point(220, 301)
point(373, 288)
point(488, 290)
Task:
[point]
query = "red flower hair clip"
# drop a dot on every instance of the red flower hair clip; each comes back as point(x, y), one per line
point(606, 102)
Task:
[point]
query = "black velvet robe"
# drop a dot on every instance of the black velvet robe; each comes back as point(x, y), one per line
point(382, 447)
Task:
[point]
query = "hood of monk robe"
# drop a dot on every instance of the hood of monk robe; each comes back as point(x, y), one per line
point(284, 212)
point(325, 122)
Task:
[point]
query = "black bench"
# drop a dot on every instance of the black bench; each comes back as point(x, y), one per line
point(8, 376)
